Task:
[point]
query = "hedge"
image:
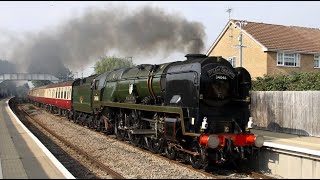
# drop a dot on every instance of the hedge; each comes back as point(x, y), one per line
point(294, 81)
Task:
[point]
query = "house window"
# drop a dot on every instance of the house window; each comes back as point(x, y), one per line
point(232, 61)
point(288, 59)
point(316, 61)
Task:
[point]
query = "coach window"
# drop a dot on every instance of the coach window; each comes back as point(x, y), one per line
point(56, 93)
point(65, 94)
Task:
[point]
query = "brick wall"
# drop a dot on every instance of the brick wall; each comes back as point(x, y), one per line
point(253, 58)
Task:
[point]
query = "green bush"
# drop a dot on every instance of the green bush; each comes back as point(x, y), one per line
point(295, 81)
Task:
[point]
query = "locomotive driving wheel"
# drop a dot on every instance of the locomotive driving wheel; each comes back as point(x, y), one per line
point(155, 145)
point(195, 160)
point(75, 117)
point(120, 134)
point(134, 139)
point(91, 124)
point(170, 152)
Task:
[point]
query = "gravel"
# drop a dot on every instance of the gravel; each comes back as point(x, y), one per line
point(129, 161)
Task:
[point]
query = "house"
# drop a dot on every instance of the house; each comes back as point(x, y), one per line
point(269, 49)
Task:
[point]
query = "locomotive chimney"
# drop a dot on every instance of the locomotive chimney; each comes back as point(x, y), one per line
point(194, 56)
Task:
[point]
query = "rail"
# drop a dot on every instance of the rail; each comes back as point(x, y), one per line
point(112, 173)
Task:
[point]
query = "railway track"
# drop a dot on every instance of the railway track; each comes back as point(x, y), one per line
point(248, 173)
point(211, 174)
point(92, 159)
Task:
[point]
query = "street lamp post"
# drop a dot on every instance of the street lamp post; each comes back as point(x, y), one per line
point(240, 24)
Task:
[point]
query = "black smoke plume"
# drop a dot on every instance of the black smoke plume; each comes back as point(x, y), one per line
point(142, 33)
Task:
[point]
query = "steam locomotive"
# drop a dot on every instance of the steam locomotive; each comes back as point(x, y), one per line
point(196, 109)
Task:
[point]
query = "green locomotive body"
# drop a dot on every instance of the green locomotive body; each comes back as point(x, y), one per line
point(132, 85)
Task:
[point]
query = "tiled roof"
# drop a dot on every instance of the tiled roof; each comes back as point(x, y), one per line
point(280, 37)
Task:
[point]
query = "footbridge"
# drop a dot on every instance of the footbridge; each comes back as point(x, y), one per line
point(27, 76)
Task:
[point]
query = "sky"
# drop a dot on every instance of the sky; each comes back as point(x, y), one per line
point(23, 17)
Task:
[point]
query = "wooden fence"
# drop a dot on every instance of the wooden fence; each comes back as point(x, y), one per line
point(294, 112)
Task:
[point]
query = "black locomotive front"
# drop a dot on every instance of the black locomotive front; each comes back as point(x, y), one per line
point(215, 100)
point(208, 87)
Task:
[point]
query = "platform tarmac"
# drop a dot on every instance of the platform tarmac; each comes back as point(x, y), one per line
point(303, 144)
point(22, 155)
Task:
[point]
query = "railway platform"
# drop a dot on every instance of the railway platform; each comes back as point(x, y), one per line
point(288, 155)
point(22, 155)
point(303, 144)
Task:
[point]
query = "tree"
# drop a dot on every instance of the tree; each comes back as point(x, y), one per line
point(110, 63)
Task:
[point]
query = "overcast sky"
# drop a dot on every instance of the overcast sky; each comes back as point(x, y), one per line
point(27, 16)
